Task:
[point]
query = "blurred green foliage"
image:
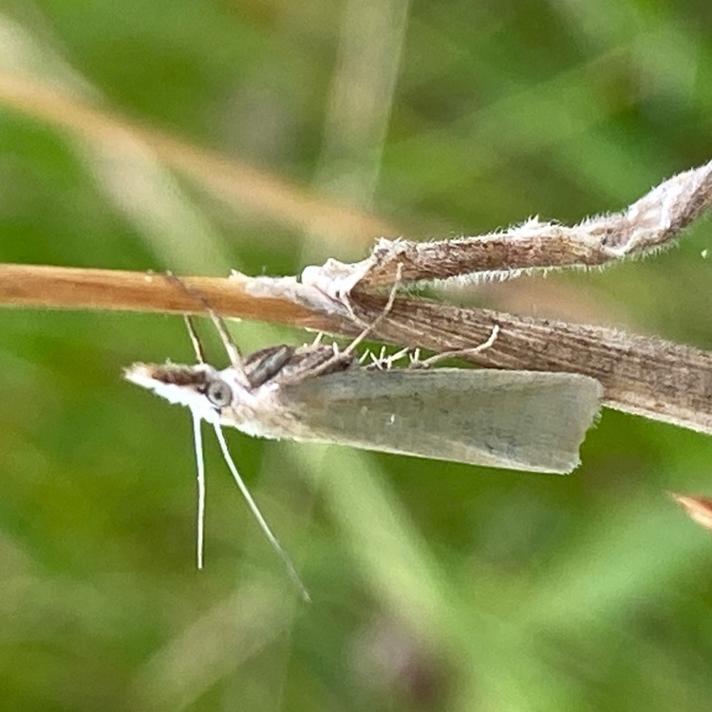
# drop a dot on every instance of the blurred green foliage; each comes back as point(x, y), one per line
point(436, 586)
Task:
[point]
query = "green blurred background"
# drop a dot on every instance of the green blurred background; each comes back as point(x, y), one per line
point(276, 134)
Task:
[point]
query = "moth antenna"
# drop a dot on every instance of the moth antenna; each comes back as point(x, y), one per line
point(258, 515)
point(194, 339)
point(200, 470)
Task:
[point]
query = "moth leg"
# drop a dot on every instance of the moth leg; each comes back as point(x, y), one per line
point(384, 360)
point(375, 363)
point(365, 356)
point(194, 339)
point(455, 353)
point(378, 362)
point(397, 356)
point(231, 348)
point(347, 355)
point(264, 365)
point(376, 322)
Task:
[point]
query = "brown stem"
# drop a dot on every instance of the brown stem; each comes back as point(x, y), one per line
point(116, 290)
point(649, 224)
point(651, 377)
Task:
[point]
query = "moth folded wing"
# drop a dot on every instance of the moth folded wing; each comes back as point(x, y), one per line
point(519, 420)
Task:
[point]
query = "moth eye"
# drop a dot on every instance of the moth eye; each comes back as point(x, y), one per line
point(219, 393)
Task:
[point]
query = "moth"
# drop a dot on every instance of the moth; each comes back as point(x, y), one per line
point(520, 420)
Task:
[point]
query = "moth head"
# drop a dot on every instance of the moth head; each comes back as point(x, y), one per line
point(202, 388)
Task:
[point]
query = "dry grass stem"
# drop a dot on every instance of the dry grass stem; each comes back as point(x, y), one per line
point(651, 223)
point(254, 190)
point(651, 377)
point(699, 509)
